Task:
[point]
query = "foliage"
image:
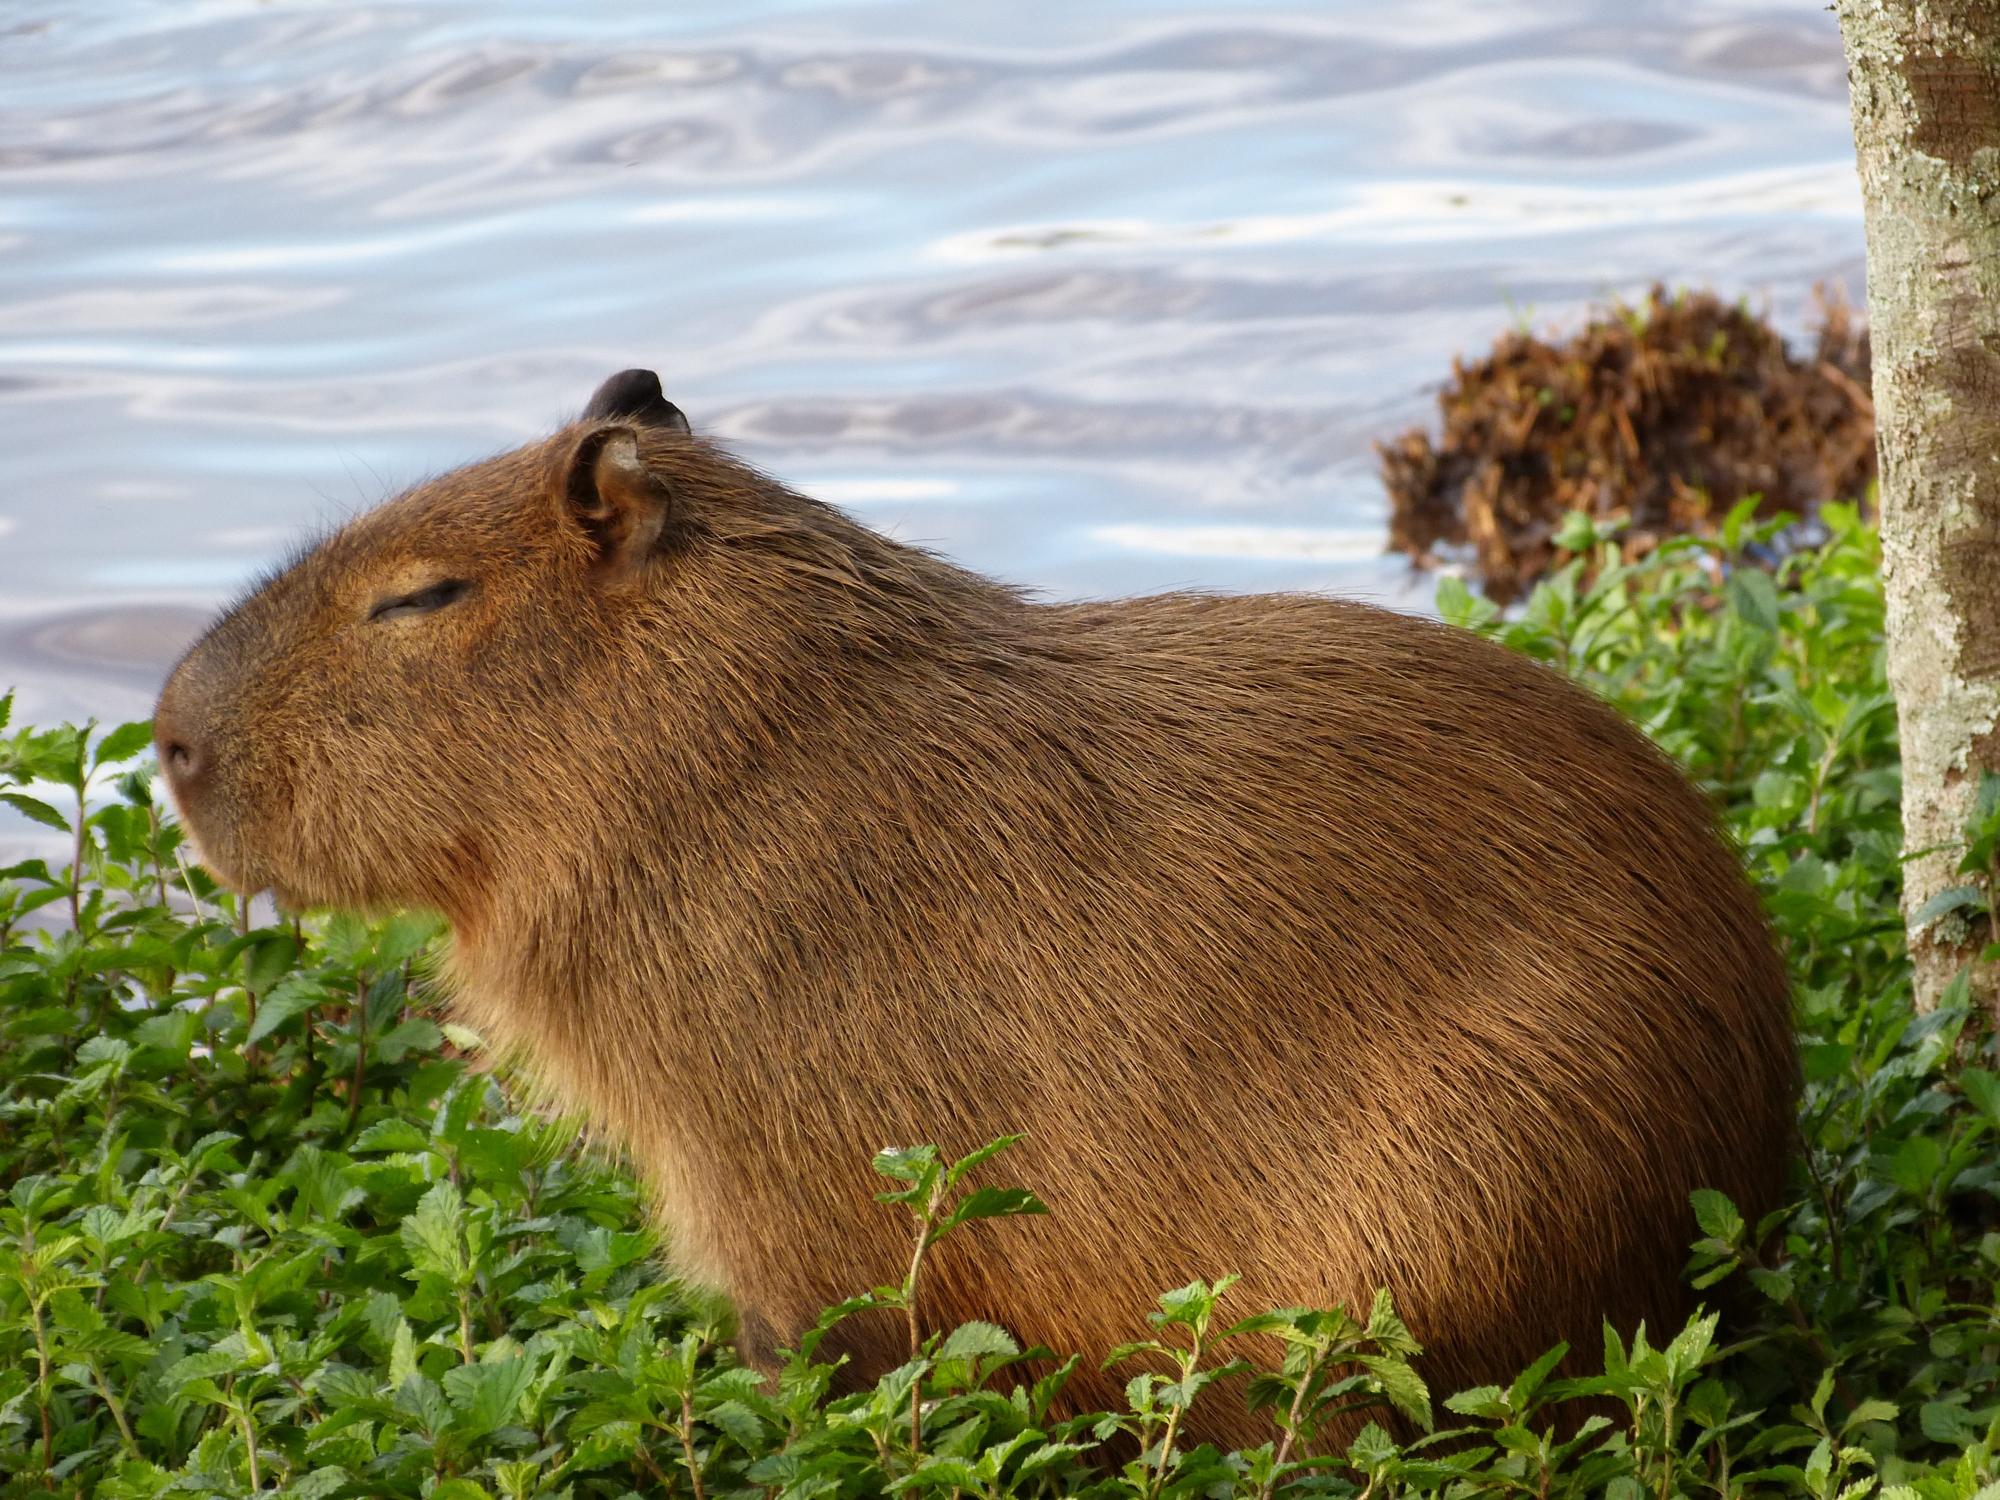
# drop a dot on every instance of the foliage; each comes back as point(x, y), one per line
point(269, 1230)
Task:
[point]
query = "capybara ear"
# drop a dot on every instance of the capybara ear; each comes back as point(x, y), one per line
point(635, 396)
point(619, 503)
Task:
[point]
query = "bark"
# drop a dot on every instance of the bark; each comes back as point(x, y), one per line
point(1924, 77)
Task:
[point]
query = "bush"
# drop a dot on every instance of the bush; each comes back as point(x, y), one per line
point(268, 1230)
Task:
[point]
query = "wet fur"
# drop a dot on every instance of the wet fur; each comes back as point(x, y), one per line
point(1309, 941)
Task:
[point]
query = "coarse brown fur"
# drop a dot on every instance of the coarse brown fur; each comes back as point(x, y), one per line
point(1327, 945)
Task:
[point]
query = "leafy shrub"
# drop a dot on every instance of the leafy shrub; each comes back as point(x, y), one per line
point(268, 1229)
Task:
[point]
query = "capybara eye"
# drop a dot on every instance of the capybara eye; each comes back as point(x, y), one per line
point(423, 601)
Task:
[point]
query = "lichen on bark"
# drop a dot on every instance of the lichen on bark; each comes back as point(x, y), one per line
point(1924, 77)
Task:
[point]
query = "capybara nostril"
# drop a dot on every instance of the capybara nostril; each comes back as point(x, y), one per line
point(182, 754)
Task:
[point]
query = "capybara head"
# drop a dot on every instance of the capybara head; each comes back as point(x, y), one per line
point(1306, 940)
point(369, 725)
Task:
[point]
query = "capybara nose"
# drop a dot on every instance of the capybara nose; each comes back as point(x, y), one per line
point(184, 753)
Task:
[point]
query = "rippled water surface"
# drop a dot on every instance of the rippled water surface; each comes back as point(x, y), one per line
point(1101, 298)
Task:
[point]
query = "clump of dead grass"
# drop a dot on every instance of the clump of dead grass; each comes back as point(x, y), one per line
point(1663, 414)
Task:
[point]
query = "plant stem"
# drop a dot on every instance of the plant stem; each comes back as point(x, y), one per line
point(1284, 1452)
point(924, 1223)
point(250, 1445)
point(76, 860)
point(360, 1056)
point(42, 1384)
point(117, 1409)
point(1188, 1367)
point(646, 1461)
point(687, 1443)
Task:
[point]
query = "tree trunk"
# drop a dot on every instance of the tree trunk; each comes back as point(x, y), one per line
point(1925, 82)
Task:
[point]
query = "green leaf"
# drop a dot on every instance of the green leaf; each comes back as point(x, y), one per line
point(1458, 605)
point(1943, 1422)
point(978, 1340)
point(991, 1203)
point(122, 743)
point(1388, 1329)
point(1480, 1401)
point(486, 1396)
point(1716, 1215)
point(1982, 1088)
point(434, 1233)
point(1875, 1410)
point(1917, 1165)
point(268, 958)
point(290, 998)
point(405, 935)
point(1576, 532)
point(1402, 1385)
point(906, 1163)
point(1776, 1285)
point(36, 810)
point(1689, 1349)
point(972, 1160)
point(1754, 597)
point(392, 1134)
point(1372, 1448)
point(738, 1422)
point(402, 1355)
point(1530, 1380)
point(1955, 898)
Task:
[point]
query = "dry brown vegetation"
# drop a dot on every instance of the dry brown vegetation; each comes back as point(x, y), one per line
point(1664, 414)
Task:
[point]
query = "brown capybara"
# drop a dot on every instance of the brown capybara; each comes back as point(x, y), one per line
point(1305, 940)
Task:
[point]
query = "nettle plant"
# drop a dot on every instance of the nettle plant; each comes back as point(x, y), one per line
point(269, 1228)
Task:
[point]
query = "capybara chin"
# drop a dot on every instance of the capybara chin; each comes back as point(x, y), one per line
point(1305, 940)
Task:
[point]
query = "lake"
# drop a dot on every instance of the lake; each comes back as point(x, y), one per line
point(1101, 299)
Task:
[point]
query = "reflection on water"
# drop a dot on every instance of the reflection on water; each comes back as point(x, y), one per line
point(1100, 298)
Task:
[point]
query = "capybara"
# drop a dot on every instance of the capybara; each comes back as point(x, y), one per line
point(1305, 940)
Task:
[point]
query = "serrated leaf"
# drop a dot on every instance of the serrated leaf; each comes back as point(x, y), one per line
point(991, 1203)
point(434, 1232)
point(1372, 1447)
point(402, 1355)
point(1875, 1410)
point(738, 1422)
point(972, 1160)
point(1402, 1385)
point(486, 1395)
point(1777, 1285)
point(392, 1134)
point(267, 959)
point(122, 743)
point(36, 810)
point(978, 1340)
point(1716, 1215)
point(1684, 1356)
point(906, 1163)
point(103, 1049)
point(1480, 1401)
point(288, 999)
point(1944, 1423)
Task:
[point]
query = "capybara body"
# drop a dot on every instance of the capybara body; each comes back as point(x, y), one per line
point(1304, 940)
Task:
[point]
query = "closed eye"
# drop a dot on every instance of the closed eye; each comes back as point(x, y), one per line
point(423, 601)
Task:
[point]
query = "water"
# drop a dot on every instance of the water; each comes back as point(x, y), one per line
point(1100, 298)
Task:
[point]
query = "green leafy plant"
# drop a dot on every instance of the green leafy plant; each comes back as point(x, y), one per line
point(269, 1229)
